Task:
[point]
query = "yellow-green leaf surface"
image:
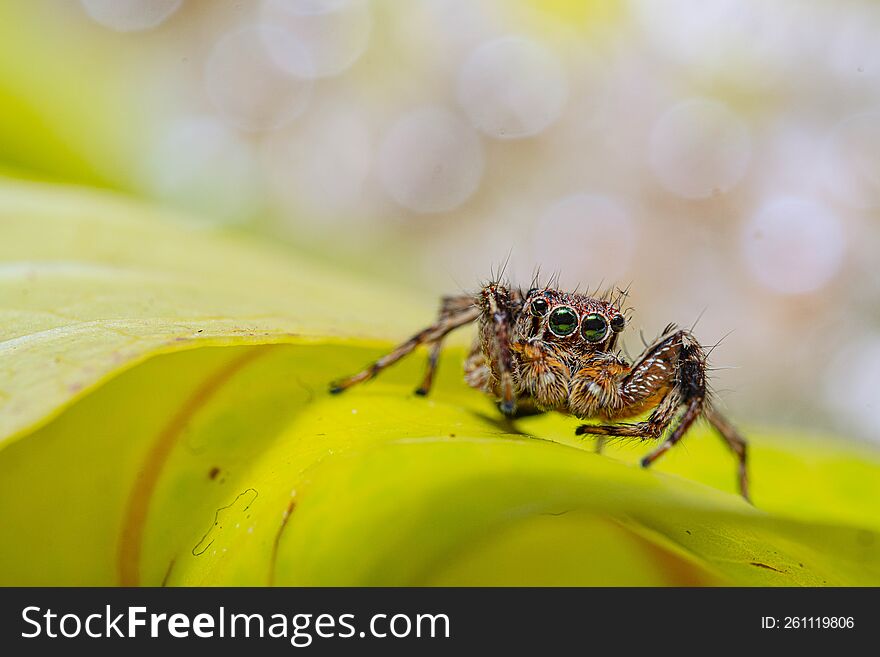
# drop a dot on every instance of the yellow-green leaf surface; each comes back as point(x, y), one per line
point(90, 284)
point(164, 419)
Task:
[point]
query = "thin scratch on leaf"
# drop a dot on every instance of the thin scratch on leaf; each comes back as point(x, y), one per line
point(195, 551)
point(167, 574)
point(309, 390)
point(131, 535)
point(133, 328)
point(285, 518)
point(59, 333)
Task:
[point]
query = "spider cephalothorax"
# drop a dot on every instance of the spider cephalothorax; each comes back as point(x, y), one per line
point(550, 350)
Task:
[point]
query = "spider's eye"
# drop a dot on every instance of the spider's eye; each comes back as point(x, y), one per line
point(617, 323)
point(594, 328)
point(539, 307)
point(563, 321)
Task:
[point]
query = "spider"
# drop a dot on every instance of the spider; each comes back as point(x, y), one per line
point(551, 350)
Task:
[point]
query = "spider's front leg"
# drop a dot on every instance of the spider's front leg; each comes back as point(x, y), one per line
point(669, 376)
point(454, 312)
point(498, 308)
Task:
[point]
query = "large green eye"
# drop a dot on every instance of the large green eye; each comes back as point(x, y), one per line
point(594, 328)
point(563, 321)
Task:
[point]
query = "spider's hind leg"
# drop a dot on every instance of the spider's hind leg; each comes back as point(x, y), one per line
point(734, 440)
point(454, 312)
point(691, 384)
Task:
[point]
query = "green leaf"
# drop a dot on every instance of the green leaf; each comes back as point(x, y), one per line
point(164, 419)
point(90, 284)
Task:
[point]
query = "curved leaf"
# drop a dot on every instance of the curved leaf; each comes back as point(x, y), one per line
point(144, 458)
point(90, 284)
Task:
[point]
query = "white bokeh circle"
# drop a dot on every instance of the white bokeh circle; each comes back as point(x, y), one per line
point(512, 87)
point(586, 237)
point(130, 15)
point(201, 164)
point(324, 166)
point(430, 160)
point(334, 33)
point(252, 88)
point(793, 245)
point(853, 160)
point(852, 385)
point(699, 148)
point(750, 41)
point(853, 49)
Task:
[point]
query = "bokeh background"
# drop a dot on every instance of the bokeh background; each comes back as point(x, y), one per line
point(722, 156)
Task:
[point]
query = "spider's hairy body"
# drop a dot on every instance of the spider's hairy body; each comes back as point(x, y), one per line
point(551, 350)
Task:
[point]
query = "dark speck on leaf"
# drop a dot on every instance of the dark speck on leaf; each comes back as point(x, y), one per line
point(213, 472)
point(758, 564)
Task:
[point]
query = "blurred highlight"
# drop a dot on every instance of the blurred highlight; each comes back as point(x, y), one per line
point(722, 157)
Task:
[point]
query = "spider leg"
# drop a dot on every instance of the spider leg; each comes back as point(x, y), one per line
point(734, 440)
point(433, 334)
point(670, 373)
point(691, 413)
point(675, 366)
point(433, 359)
point(495, 335)
point(542, 374)
point(651, 428)
point(449, 306)
point(690, 383)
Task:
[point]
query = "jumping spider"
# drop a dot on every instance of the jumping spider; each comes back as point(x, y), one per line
point(550, 350)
